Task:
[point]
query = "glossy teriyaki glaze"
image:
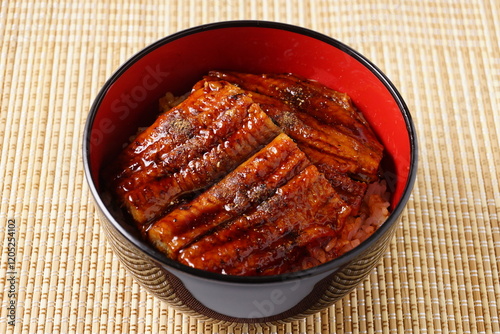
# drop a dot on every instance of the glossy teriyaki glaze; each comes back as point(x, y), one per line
point(250, 175)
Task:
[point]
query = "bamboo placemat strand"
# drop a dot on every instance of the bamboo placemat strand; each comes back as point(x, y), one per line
point(441, 271)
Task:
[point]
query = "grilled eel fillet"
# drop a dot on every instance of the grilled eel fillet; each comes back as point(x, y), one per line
point(187, 149)
point(323, 122)
point(249, 177)
point(270, 211)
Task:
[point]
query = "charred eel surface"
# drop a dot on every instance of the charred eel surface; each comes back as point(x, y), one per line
point(249, 175)
point(243, 189)
point(324, 123)
point(188, 149)
point(283, 233)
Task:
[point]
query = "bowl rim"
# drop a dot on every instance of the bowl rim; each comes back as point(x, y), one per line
point(338, 262)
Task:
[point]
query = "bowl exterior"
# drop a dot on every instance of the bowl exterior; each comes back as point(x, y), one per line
point(174, 64)
point(271, 303)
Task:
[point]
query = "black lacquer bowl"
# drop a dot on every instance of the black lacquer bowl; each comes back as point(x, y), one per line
point(174, 64)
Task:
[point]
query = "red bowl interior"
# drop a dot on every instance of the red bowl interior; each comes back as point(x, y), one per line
point(175, 63)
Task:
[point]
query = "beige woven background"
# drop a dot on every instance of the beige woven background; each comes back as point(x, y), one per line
point(441, 273)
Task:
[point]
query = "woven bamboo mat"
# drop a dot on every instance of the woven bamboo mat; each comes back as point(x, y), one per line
point(441, 272)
